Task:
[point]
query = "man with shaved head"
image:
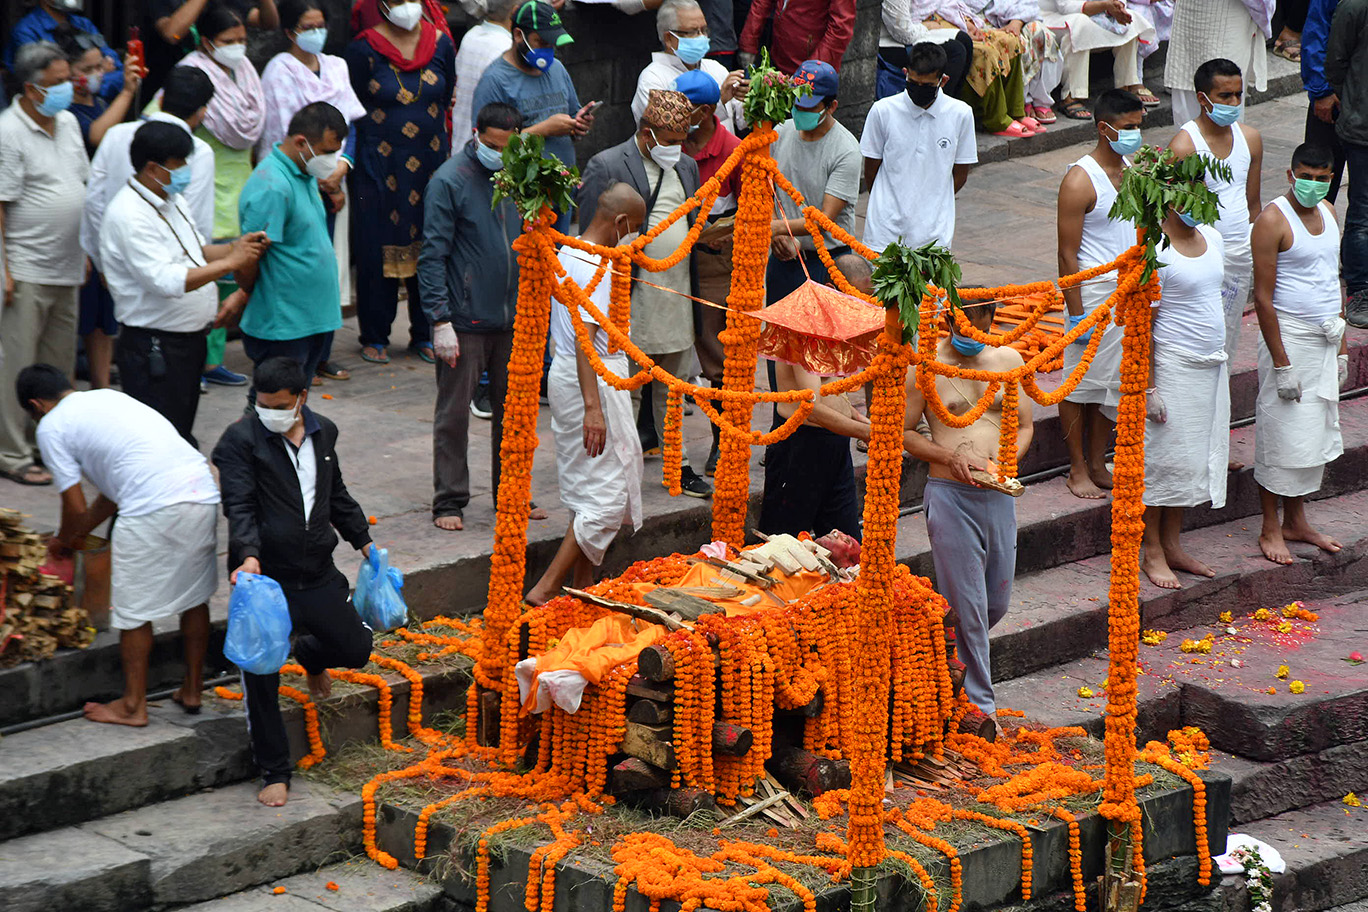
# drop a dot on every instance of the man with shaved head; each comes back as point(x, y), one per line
point(598, 454)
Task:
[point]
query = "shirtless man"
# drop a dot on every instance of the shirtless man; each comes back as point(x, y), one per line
point(1303, 360)
point(1089, 237)
point(809, 475)
point(972, 529)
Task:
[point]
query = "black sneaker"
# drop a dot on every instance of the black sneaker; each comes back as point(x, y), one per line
point(1356, 310)
point(692, 485)
point(479, 406)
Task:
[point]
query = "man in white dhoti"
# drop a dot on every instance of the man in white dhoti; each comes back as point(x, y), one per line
point(1088, 237)
point(598, 452)
point(1217, 133)
point(1203, 29)
point(1084, 26)
point(1187, 437)
point(1303, 361)
point(164, 541)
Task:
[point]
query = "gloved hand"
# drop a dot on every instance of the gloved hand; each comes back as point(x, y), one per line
point(1342, 362)
point(1155, 410)
point(1289, 387)
point(444, 343)
point(1072, 320)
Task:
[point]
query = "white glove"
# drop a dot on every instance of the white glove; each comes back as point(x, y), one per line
point(444, 343)
point(1342, 362)
point(1289, 387)
point(1155, 410)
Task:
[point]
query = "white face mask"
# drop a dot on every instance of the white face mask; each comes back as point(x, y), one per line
point(321, 166)
point(664, 156)
point(278, 421)
point(405, 15)
point(230, 55)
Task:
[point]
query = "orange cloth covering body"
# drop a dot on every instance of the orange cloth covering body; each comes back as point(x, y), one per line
point(821, 330)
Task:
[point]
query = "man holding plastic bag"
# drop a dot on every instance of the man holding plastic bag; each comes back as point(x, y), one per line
point(283, 495)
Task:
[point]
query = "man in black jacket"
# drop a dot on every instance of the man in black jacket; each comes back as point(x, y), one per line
point(283, 495)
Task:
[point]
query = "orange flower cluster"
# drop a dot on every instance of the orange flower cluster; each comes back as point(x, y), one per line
point(673, 444)
point(1075, 859)
point(316, 751)
point(1158, 754)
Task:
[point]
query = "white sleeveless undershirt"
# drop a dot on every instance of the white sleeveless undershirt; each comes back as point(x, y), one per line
point(1308, 271)
point(1234, 221)
point(1190, 316)
point(1104, 238)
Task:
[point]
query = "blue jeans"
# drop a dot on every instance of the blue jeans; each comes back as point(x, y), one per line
point(308, 351)
point(1354, 245)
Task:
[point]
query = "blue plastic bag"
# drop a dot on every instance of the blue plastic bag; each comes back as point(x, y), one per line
point(377, 597)
point(258, 639)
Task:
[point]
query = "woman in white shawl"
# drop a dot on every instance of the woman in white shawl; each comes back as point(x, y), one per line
point(1084, 26)
point(297, 77)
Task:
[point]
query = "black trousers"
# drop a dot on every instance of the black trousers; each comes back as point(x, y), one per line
point(1322, 133)
point(162, 369)
point(328, 633)
point(810, 485)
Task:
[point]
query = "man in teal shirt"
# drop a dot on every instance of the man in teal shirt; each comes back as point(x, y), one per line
point(293, 303)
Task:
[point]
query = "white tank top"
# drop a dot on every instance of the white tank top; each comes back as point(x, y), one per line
point(1104, 238)
point(1234, 221)
point(1308, 271)
point(1190, 315)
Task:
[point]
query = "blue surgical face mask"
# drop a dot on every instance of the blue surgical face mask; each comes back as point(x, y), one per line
point(311, 41)
point(1127, 142)
point(56, 99)
point(692, 50)
point(807, 120)
point(1188, 220)
point(539, 59)
point(967, 347)
point(1222, 115)
point(490, 158)
point(179, 179)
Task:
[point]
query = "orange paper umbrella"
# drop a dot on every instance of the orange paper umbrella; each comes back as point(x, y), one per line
point(821, 330)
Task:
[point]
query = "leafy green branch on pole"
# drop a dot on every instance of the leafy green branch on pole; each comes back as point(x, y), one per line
point(533, 179)
point(1158, 180)
point(903, 276)
point(771, 94)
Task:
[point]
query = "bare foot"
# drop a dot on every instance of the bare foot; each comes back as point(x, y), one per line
point(1234, 465)
point(1309, 535)
point(537, 513)
point(1157, 569)
point(1102, 477)
point(1274, 548)
point(320, 686)
point(274, 795)
point(115, 713)
point(190, 702)
point(536, 599)
point(452, 523)
point(1080, 485)
point(1181, 560)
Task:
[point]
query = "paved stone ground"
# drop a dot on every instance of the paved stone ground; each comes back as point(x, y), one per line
point(385, 413)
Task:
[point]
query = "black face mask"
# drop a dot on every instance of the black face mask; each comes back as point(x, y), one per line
point(922, 95)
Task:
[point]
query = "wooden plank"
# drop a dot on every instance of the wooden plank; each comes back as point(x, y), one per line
point(731, 740)
point(650, 743)
point(649, 712)
point(650, 615)
point(638, 686)
point(635, 774)
point(656, 664)
point(488, 733)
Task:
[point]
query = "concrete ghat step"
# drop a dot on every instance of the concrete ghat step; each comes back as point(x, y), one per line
point(361, 886)
point(76, 771)
point(1259, 790)
point(1326, 850)
point(1059, 614)
point(187, 850)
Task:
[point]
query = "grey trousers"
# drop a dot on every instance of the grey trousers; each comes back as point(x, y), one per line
point(678, 364)
point(40, 327)
point(973, 545)
point(451, 417)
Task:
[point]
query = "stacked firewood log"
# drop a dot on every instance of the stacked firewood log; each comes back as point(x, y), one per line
point(37, 613)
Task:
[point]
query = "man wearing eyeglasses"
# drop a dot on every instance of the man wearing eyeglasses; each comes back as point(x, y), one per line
point(686, 41)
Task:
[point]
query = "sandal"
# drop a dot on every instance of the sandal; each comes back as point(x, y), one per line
point(1031, 124)
point(32, 475)
point(1147, 98)
point(1288, 50)
point(1074, 109)
point(375, 354)
point(1043, 114)
point(1016, 130)
point(424, 351)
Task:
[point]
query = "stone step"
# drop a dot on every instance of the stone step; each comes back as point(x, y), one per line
point(78, 771)
point(358, 885)
point(1326, 850)
point(1260, 790)
point(187, 850)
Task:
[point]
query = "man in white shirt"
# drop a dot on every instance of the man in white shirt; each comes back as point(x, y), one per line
point(185, 96)
point(163, 546)
point(683, 32)
point(480, 47)
point(43, 168)
point(917, 146)
point(161, 275)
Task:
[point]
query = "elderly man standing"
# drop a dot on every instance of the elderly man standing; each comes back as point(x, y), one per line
point(653, 163)
point(161, 273)
point(43, 170)
point(684, 35)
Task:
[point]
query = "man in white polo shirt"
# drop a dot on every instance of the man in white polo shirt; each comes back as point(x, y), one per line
point(917, 146)
point(163, 545)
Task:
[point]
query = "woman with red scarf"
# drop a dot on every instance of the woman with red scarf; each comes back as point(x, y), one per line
point(403, 70)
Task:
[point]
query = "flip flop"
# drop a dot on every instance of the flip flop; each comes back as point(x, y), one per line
point(380, 356)
point(424, 351)
point(1043, 114)
point(1016, 131)
point(22, 476)
point(1147, 98)
point(1074, 109)
point(1288, 50)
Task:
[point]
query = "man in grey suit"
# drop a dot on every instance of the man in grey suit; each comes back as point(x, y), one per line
point(662, 320)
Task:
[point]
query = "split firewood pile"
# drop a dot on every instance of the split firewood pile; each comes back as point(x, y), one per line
point(37, 613)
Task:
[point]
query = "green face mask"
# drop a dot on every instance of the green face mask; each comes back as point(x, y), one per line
point(1309, 192)
point(807, 120)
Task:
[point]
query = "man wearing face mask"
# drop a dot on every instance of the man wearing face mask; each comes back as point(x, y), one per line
point(292, 293)
point(917, 146)
point(1088, 237)
point(1217, 133)
point(43, 168)
point(683, 32)
point(161, 273)
point(283, 496)
point(972, 528)
point(1303, 356)
point(468, 276)
point(43, 22)
point(653, 164)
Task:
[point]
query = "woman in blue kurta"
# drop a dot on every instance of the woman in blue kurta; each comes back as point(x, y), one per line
point(404, 78)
